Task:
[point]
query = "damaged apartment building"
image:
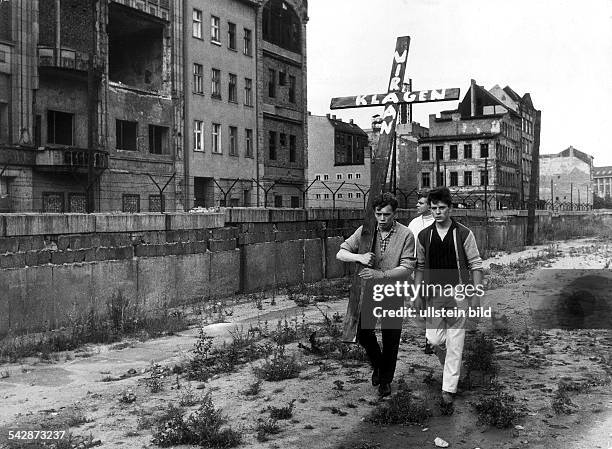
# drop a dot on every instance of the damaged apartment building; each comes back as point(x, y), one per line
point(149, 105)
point(91, 112)
point(245, 102)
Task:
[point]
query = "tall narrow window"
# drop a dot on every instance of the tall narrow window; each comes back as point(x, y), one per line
point(467, 151)
point(233, 141)
point(424, 153)
point(248, 92)
point(453, 152)
point(232, 92)
point(425, 181)
point(231, 35)
point(197, 23)
point(271, 83)
point(60, 127)
point(215, 87)
point(126, 133)
point(215, 29)
point(454, 179)
point(272, 145)
point(158, 136)
point(484, 150)
point(484, 177)
point(292, 148)
point(216, 138)
point(198, 142)
point(467, 178)
point(198, 76)
point(248, 42)
point(248, 136)
point(439, 152)
point(291, 89)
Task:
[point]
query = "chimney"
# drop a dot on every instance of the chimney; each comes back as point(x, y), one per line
point(333, 117)
point(351, 121)
point(328, 115)
point(472, 98)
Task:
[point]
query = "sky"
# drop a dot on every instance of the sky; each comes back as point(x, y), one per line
point(560, 51)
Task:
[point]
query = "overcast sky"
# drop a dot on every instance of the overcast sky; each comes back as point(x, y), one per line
point(560, 51)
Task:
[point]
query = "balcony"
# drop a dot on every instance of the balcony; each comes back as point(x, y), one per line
point(68, 59)
point(69, 160)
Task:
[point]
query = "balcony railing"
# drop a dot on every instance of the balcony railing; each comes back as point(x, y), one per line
point(68, 59)
point(71, 158)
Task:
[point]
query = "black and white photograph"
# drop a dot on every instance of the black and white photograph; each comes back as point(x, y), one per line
point(335, 224)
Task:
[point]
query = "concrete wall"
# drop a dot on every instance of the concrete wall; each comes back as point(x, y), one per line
point(55, 267)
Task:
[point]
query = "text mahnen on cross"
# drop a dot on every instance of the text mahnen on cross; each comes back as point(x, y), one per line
point(380, 160)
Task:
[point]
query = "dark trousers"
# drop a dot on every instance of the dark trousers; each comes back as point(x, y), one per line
point(384, 359)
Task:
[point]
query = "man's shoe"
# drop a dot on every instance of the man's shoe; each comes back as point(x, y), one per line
point(384, 390)
point(447, 398)
point(376, 377)
point(428, 348)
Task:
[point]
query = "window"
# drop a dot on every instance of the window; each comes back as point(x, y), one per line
point(130, 203)
point(197, 23)
point(282, 140)
point(440, 181)
point(439, 152)
point(155, 203)
point(425, 153)
point(291, 89)
point(233, 141)
point(357, 175)
point(484, 150)
point(326, 196)
point(231, 35)
point(271, 83)
point(338, 176)
point(325, 177)
point(272, 145)
point(318, 196)
point(425, 181)
point(215, 87)
point(158, 139)
point(282, 78)
point(349, 176)
point(453, 152)
point(248, 92)
point(292, 148)
point(454, 179)
point(198, 143)
point(467, 151)
point(350, 194)
point(232, 90)
point(339, 196)
point(216, 138)
point(358, 195)
point(317, 177)
point(60, 128)
point(467, 178)
point(484, 177)
point(278, 201)
point(198, 78)
point(295, 202)
point(281, 25)
point(53, 202)
point(126, 135)
point(215, 29)
point(249, 142)
point(248, 42)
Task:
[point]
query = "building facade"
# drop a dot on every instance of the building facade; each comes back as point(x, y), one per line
point(566, 180)
point(477, 151)
point(602, 181)
point(94, 112)
point(339, 171)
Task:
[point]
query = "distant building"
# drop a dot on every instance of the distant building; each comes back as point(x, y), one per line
point(602, 181)
point(482, 150)
point(570, 176)
point(338, 163)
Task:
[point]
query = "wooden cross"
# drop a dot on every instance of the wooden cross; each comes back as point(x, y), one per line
point(380, 161)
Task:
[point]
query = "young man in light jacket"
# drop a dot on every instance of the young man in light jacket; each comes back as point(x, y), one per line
point(447, 254)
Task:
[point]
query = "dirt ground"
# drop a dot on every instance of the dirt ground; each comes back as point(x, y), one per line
point(102, 390)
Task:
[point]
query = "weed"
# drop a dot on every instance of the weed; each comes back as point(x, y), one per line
point(561, 402)
point(284, 333)
point(479, 354)
point(187, 397)
point(127, 397)
point(278, 413)
point(279, 367)
point(265, 428)
point(401, 408)
point(497, 410)
point(253, 390)
point(154, 384)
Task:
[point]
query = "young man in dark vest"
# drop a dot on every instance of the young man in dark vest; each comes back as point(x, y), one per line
point(447, 255)
point(392, 260)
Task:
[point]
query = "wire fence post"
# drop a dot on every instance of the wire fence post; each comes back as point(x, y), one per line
point(223, 192)
point(265, 191)
point(162, 202)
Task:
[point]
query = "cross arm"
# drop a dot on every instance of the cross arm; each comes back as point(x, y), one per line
point(419, 96)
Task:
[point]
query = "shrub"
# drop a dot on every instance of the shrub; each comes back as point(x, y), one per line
point(278, 413)
point(401, 408)
point(279, 367)
point(497, 410)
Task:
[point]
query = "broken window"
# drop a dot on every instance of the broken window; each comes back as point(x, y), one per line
point(125, 135)
point(281, 26)
point(60, 127)
point(158, 139)
point(136, 50)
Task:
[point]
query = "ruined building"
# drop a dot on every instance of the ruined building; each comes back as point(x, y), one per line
point(139, 105)
point(91, 103)
point(486, 150)
point(245, 97)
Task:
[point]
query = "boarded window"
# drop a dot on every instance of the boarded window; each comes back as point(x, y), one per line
point(53, 202)
point(131, 203)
